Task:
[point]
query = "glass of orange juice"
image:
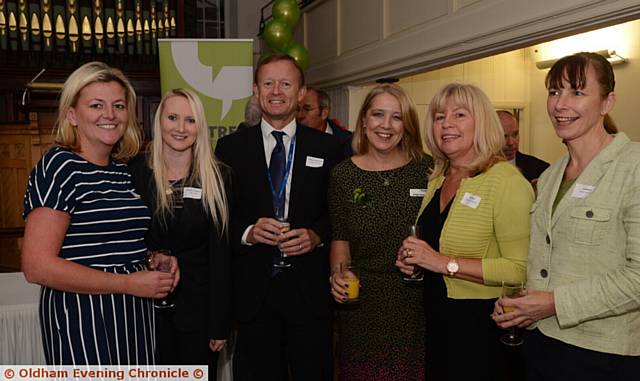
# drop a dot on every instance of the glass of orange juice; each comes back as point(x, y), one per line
point(351, 276)
point(512, 337)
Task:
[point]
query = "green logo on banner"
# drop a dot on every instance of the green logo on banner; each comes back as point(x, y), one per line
point(220, 71)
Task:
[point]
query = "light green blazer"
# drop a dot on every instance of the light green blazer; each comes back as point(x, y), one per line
point(588, 251)
point(489, 220)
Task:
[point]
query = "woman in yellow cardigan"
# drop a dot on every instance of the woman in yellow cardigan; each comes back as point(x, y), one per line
point(475, 218)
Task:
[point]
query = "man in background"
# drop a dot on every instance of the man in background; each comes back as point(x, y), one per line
point(530, 166)
point(252, 114)
point(314, 112)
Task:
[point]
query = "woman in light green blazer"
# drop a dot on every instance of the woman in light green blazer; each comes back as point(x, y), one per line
point(582, 306)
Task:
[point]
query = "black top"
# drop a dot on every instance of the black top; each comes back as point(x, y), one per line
point(432, 222)
point(203, 295)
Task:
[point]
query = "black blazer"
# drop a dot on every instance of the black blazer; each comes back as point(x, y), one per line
point(203, 295)
point(252, 265)
point(530, 166)
point(344, 138)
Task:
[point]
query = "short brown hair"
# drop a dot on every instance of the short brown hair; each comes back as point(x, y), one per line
point(275, 58)
point(87, 74)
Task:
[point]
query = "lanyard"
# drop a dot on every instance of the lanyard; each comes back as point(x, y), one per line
point(277, 197)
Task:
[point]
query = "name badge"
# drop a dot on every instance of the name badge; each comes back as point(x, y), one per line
point(189, 192)
point(416, 192)
point(470, 200)
point(582, 190)
point(314, 162)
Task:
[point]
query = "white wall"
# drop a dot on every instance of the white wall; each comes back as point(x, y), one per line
point(356, 41)
point(512, 80)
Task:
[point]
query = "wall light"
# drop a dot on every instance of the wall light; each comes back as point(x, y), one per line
point(610, 55)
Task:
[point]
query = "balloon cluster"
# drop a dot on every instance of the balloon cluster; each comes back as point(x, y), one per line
point(278, 32)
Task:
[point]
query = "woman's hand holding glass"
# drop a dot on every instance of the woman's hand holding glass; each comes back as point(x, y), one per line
point(148, 284)
point(162, 261)
point(416, 252)
point(527, 309)
point(345, 284)
point(154, 258)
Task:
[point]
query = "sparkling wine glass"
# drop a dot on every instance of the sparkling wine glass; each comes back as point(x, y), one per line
point(418, 274)
point(512, 337)
point(285, 227)
point(162, 262)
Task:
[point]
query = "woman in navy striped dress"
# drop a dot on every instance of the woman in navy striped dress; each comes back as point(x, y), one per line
point(85, 227)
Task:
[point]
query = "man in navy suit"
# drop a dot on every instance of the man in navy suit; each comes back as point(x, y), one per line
point(280, 169)
point(314, 112)
point(530, 166)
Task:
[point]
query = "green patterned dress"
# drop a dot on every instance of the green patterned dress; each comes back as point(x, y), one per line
point(382, 336)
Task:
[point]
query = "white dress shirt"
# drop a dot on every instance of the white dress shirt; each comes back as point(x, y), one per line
point(269, 144)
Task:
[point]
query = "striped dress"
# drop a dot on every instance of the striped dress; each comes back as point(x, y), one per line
point(106, 232)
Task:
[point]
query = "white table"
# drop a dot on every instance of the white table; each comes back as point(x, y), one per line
point(20, 337)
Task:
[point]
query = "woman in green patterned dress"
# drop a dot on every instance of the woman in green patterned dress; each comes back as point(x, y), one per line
point(373, 199)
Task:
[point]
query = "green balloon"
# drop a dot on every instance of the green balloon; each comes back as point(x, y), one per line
point(277, 35)
point(287, 11)
point(300, 54)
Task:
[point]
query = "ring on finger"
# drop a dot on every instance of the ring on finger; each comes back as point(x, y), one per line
point(409, 253)
point(300, 247)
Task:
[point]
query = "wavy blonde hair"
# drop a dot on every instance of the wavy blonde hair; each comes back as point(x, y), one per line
point(488, 136)
point(411, 142)
point(66, 135)
point(205, 168)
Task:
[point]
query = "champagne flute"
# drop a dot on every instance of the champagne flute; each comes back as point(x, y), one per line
point(285, 227)
point(512, 337)
point(351, 275)
point(418, 274)
point(162, 261)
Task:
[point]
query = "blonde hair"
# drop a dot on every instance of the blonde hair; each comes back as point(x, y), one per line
point(488, 137)
point(205, 168)
point(411, 143)
point(87, 74)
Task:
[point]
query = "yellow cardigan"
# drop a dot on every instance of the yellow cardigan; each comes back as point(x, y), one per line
point(489, 219)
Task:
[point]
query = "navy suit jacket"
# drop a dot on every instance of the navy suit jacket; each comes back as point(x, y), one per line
point(530, 166)
point(343, 137)
point(252, 265)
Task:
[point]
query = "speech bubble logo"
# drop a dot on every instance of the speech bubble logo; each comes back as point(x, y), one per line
point(232, 82)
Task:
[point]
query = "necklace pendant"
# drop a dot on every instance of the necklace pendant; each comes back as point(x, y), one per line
point(168, 191)
point(386, 182)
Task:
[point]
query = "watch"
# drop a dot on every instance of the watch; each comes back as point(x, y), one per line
point(452, 267)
